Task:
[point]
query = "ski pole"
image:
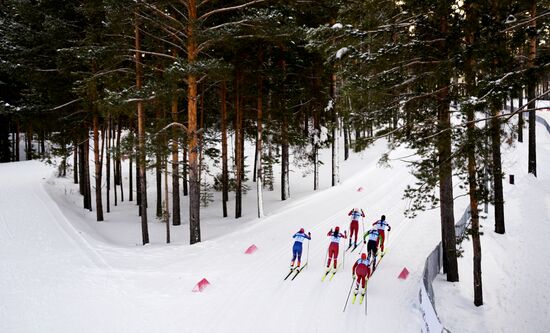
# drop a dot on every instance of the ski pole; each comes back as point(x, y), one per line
point(349, 293)
point(307, 254)
point(326, 257)
point(363, 224)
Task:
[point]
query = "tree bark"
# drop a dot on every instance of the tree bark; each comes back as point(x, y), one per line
point(130, 167)
point(75, 161)
point(224, 180)
point(238, 146)
point(141, 137)
point(497, 168)
point(520, 116)
point(194, 176)
point(444, 147)
point(158, 164)
point(98, 168)
point(259, 178)
point(108, 164)
point(471, 17)
point(285, 182)
point(176, 212)
point(334, 139)
point(531, 84)
point(88, 186)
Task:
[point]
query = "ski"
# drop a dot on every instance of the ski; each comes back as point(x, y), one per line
point(353, 299)
point(298, 270)
point(349, 247)
point(325, 275)
point(362, 297)
point(354, 248)
point(291, 270)
point(334, 272)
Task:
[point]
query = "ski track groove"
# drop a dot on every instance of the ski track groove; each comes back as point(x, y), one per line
point(7, 230)
point(73, 235)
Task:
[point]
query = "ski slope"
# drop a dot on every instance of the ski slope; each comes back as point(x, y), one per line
point(60, 271)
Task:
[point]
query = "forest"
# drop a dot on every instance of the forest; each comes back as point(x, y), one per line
point(177, 86)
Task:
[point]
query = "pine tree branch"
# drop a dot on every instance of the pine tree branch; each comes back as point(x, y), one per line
point(164, 40)
point(168, 16)
point(66, 104)
point(527, 21)
point(226, 9)
point(154, 53)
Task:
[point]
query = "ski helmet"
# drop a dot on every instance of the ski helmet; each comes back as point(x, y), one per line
point(383, 217)
point(301, 230)
point(337, 229)
point(363, 256)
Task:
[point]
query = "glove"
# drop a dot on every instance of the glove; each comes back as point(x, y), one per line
point(364, 242)
point(354, 276)
point(309, 234)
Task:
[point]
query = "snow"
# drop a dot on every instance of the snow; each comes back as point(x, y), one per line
point(61, 271)
point(341, 52)
point(337, 26)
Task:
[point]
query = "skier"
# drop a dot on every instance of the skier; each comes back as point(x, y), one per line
point(372, 245)
point(297, 247)
point(334, 245)
point(361, 269)
point(381, 226)
point(355, 213)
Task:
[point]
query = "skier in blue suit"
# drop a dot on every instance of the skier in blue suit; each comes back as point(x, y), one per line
point(299, 237)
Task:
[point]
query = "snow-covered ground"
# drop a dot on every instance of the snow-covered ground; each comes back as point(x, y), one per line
point(60, 271)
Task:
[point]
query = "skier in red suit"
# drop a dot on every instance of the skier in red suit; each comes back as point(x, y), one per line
point(334, 245)
point(361, 269)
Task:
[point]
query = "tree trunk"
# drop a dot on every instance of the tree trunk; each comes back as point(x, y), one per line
point(158, 164)
point(176, 212)
point(166, 215)
point(445, 172)
point(259, 178)
point(471, 137)
point(194, 176)
point(531, 84)
point(17, 139)
point(224, 180)
point(81, 170)
point(346, 139)
point(118, 161)
point(108, 164)
point(497, 168)
point(446, 186)
point(285, 182)
point(114, 149)
point(98, 169)
point(130, 167)
point(238, 146)
point(88, 186)
point(75, 161)
point(334, 138)
point(185, 180)
point(520, 116)
point(28, 140)
point(285, 177)
point(472, 181)
point(141, 138)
